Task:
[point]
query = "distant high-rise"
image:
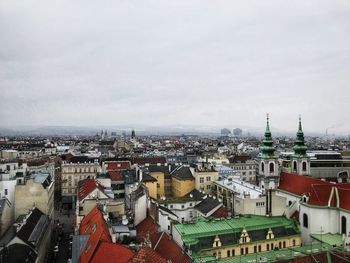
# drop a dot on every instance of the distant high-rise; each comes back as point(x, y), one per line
point(225, 132)
point(237, 132)
point(133, 135)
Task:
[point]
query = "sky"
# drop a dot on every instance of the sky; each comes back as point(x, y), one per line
point(222, 63)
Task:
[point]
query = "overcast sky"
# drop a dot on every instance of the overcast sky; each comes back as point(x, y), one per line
point(184, 62)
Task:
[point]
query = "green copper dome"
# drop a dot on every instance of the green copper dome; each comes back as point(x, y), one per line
point(267, 150)
point(299, 144)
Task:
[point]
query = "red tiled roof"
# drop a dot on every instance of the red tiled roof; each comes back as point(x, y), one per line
point(147, 255)
point(95, 217)
point(93, 224)
point(147, 229)
point(150, 160)
point(320, 194)
point(117, 165)
point(168, 249)
point(298, 184)
point(85, 187)
point(221, 212)
point(109, 252)
point(116, 176)
point(344, 197)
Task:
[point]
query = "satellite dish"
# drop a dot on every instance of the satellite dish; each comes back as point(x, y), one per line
point(125, 221)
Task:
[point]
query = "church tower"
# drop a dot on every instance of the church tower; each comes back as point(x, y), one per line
point(268, 163)
point(300, 162)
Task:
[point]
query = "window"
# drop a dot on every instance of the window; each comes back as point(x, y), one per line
point(182, 206)
point(246, 250)
point(182, 220)
point(208, 179)
point(216, 243)
point(228, 253)
point(214, 254)
point(294, 166)
point(208, 187)
point(279, 245)
point(243, 173)
point(254, 249)
point(158, 185)
point(343, 225)
point(262, 167)
point(272, 167)
point(259, 248)
point(272, 246)
point(6, 192)
point(304, 166)
point(284, 244)
point(233, 252)
point(305, 221)
point(242, 251)
point(169, 227)
point(219, 254)
point(190, 204)
point(201, 180)
point(267, 247)
point(191, 214)
point(293, 242)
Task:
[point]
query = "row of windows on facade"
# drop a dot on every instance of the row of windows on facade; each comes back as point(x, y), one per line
point(342, 221)
point(81, 170)
point(243, 167)
point(255, 249)
point(182, 206)
point(201, 179)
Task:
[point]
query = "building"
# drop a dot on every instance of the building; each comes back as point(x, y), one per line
point(6, 215)
point(268, 175)
point(92, 194)
point(183, 181)
point(94, 242)
point(31, 235)
point(244, 166)
point(225, 238)
point(77, 169)
point(115, 170)
point(244, 198)
point(35, 191)
point(205, 174)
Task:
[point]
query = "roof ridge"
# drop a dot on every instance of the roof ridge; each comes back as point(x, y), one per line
point(158, 240)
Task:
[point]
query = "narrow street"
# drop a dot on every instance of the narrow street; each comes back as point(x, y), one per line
point(62, 230)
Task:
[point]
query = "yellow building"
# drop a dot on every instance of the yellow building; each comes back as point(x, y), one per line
point(215, 239)
point(151, 185)
point(182, 181)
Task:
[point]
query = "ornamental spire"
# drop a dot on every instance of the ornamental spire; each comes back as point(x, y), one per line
point(267, 150)
point(299, 144)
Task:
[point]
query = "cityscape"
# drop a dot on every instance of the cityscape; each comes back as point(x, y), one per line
point(174, 131)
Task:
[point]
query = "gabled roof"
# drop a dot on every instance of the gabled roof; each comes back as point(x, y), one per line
point(298, 184)
point(169, 250)
point(117, 165)
point(147, 255)
point(147, 229)
point(28, 229)
point(85, 187)
point(110, 252)
point(116, 175)
point(222, 212)
point(182, 173)
point(148, 178)
point(208, 205)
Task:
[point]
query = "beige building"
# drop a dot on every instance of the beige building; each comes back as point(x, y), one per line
point(6, 215)
point(92, 194)
point(38, 191)
point(205, 175)
point(72, 173)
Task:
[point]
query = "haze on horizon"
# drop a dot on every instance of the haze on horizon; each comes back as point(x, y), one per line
point(210, 63)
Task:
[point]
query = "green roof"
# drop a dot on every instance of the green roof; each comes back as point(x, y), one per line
point(211, 227)
point(330, 239)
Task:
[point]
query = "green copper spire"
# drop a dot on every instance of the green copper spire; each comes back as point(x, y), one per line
point(267, 150)
point(299, 144)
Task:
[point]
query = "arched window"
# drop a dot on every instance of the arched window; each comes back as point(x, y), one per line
point(228, 253)
point(272, 167)
point(294, 166)
point(262, 167)
point(343, 225)
point(305, 221)
point(304, 166)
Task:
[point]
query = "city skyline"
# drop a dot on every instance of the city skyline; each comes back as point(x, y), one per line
point(188, 64)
